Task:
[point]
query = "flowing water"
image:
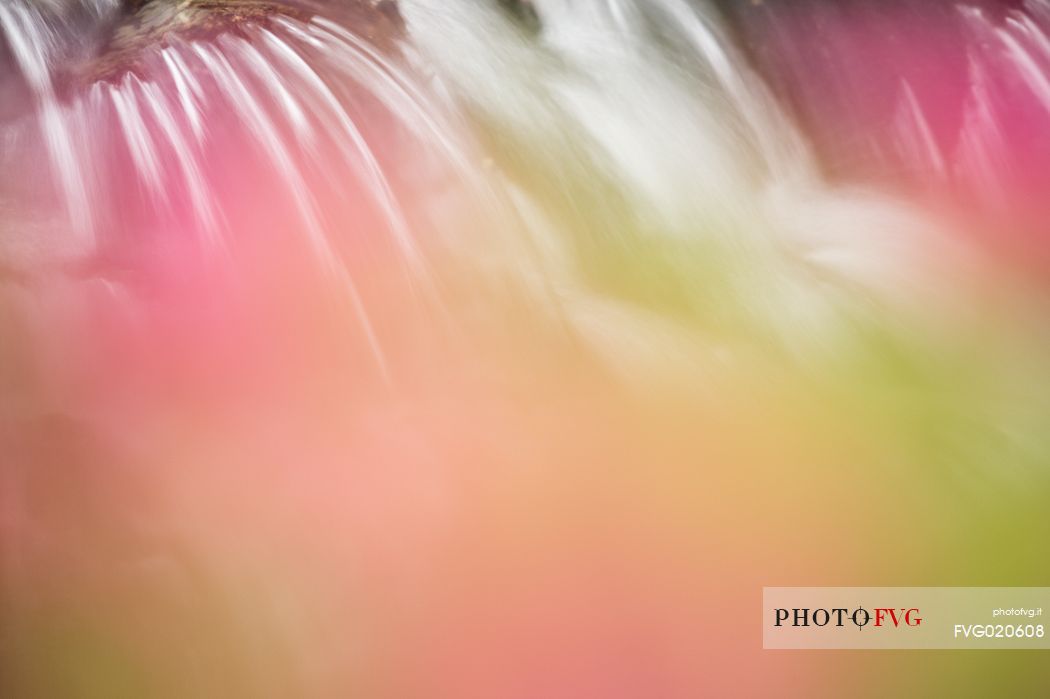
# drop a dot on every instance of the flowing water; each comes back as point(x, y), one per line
point(645, 115)
point(310, 312)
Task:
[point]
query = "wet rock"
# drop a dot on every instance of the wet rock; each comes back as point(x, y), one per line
point(146, 23)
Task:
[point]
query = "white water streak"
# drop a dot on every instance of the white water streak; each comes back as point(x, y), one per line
point(188, 89)
point(243, 102)
point(30, 39)
point(193, 178)
point(355, 148)
point(139, 138)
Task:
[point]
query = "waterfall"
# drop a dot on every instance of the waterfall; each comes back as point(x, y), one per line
point(611, 126)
